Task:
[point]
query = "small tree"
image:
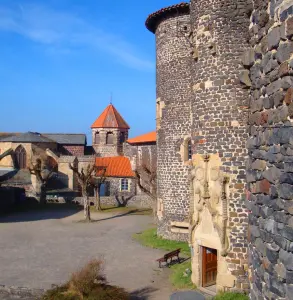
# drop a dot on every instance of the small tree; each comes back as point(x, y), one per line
point(42, 177)
point(97, 182)
point(85, 179)
point(147, 182)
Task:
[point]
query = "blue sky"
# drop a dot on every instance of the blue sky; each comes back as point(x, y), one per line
point(61, 59)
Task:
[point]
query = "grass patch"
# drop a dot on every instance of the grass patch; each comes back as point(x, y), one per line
point(149, 238)
point(177, 278)
point(231, 296)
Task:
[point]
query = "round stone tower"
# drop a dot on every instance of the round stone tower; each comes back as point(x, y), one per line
point(220, 111)
point(171, 26)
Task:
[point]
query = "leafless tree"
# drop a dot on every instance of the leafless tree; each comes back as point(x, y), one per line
point(42, 177)
point(97, 182)
point(6, 153)
point(147, 182)
point(85, 179)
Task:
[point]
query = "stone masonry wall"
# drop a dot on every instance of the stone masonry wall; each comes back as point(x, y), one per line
point(270, 147)
point(219, 108)
point(75, 150)
point(173, 121)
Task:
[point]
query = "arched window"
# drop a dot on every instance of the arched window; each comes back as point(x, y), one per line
point(110, 138)
point(97, 138)
point(20, 157)
point(122, 137)
point(187, 149)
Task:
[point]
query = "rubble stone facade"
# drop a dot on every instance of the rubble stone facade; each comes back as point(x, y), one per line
point(173, 121)
point(270, 147)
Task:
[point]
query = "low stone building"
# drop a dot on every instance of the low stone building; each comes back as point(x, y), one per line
point(111, 149)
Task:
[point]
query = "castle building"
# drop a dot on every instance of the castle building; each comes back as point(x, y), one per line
point(224, 109)
point(202, 111)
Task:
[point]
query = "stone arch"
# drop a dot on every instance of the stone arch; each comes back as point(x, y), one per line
point(110, 138)
point(97, 138)
point(20, 157)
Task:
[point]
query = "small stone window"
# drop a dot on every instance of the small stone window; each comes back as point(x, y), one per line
point(97, 138)
point(189, 148)
point(124, 185)
point(110, 138)
point(122, 137)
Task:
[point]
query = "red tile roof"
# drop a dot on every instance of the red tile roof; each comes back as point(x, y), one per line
point(155, 18)
point(118, 166)
point(150, 137)
point(110, 118)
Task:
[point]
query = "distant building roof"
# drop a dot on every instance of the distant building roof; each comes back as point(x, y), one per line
point(150, 137)
point(67, 138)
point(118, 166)
point(27, 137)
point(35, 137)
point(110, 118)
point(171, 11)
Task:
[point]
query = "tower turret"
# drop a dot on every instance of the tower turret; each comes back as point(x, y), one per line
point(109, 132)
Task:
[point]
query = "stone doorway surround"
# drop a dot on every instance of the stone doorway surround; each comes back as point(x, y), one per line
point(209, 217)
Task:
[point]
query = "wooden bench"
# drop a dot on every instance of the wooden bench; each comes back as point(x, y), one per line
point(170, 256)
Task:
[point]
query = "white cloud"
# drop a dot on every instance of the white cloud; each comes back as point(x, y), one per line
point(65, 31)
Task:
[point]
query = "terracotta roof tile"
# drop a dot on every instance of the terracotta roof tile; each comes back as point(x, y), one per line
point(155, 18)
point(110, 118)
point(118, 166)
point(150, 137)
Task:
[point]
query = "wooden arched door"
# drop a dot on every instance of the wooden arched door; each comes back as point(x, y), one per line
point(20, 156)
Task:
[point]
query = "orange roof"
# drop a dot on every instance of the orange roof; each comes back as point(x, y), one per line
point(118, 166)
point(110, 118)
point(150, 137)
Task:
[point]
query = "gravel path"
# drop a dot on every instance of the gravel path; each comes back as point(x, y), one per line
point(41, 248)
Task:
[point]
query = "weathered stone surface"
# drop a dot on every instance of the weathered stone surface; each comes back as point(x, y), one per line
point(259, 165)
point(288, 233)
point(274, 37)
point(244, 78)
point(289, 27)
point(272, 253)
point(272, 174)
point(248, 58)
point(286, 178)
point(286, 191)
point(284, 52)
point(287, 259)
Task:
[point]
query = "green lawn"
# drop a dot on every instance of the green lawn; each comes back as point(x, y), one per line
point(230, 296)
point(177, 278)
point(149, 238)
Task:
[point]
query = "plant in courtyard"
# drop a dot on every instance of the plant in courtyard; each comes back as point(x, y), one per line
point(147, 182)
point(85, 179)
point(42, 174)
point(97, 182)
point(89, 283)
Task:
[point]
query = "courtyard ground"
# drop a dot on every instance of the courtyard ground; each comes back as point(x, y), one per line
point(42, 247)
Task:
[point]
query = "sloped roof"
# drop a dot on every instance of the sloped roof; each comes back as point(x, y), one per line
point(27, 137)
point(110, 118)
point(150, 137)
point(67, 138)
point(118, 166)
point(155, 18)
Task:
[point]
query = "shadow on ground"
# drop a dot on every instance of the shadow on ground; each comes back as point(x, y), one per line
point(142, 294)
point(30, 211)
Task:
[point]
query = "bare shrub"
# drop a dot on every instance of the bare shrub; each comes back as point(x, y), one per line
point(84, 280)
point(88, 283)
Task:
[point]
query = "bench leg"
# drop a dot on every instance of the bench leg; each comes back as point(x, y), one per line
point(160, 264)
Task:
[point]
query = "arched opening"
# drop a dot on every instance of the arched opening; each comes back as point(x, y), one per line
point(187, 149)
point(52, 163)
point(110, 138)
point(97, 138)
point(122, 137)
point(20, 157)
